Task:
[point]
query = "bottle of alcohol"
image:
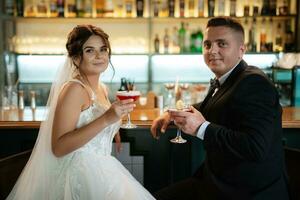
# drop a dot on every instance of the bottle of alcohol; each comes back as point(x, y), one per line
point(181, 38)
point(19, 8)
point(139, 8)
point(98, 6)
point(171, 8)
point(166, 41)
point(221, 7)
point(42, 8)
point(187, 40)
point(191, 8)
point(156, 43)
point(118, 8)
point(270, 35)
point(175, 37)
point(181, 8)
point(156, 4)
point(252, 37)
point(108, 8)
point(263, 37)
point(232, 8)
point(61, 8)
point(70, 8)
point(53, 8)
point(265, 10)
point(79, 8)
point(246, 9)
point(163, 11)
point(273, 7)
point(9, 7)
point(200, 8)
point(211, 8)
point(29, 8)
point(128, 8)
point(283, 8)
point(193, 41)
point(278, 47)
point(256, 6)
point(198, 41)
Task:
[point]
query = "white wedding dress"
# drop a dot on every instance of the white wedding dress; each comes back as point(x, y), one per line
point(91, 173)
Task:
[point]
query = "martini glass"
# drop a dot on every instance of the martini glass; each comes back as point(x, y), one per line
point(122, 95)
point(180, 106)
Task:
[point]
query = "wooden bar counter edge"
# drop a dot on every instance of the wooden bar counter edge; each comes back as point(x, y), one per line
point(28, 118)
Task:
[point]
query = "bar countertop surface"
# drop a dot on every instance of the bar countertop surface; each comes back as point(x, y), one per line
point(28, 118)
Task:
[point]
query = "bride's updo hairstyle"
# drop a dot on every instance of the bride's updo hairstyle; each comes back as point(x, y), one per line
point(79, 35)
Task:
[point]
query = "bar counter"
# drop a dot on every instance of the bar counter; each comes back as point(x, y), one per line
point(29, 118)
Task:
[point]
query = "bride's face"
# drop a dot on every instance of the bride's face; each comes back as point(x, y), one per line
point(95, 56)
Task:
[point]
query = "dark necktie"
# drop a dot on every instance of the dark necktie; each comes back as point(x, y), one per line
point(214, 84)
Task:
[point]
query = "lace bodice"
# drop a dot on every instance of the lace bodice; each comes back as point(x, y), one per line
point(102, 142)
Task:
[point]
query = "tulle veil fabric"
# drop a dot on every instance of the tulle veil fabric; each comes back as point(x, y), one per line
point(37, 180)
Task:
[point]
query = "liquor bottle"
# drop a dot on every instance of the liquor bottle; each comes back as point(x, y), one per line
point(139, 8)
point(166, 41)
point(175, 46)
point(265, 10)
point(211, 8)
point(29, 8)
point(19, 8)
point(252, 37)
point(118, 8)
point(246, 9)
point(156, 44)
point(187, 41)
point(263, 37)
point(232, 8)
point(200, 8)
point(191, 8)
point(270, 35)
point(256, 6)
point(171, 8)
point(42, 8)
point(61, 8)
point(198, 41)
point(181, 38)
point(283, 8)
point(278, 47)
point(221, 7)
point(99, 8)
point(193, 41)
point(163, 11)
point(9, 7)
point(79, 8)
point(70, 8)
point(156, 4)
point(128, 8)
point(289, 37)
point(181, 8)
point(108, 8)
point(88, 8)
point(53, 8)
point(273, 7)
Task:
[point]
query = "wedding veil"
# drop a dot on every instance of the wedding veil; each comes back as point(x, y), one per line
point(37, 179)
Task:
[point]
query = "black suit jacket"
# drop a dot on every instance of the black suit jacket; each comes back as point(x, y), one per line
point(244, 154)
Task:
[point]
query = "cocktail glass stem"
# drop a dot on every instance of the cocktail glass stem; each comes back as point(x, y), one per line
point(178, 138)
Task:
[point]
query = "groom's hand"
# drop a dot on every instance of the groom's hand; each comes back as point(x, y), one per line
point(160, 122)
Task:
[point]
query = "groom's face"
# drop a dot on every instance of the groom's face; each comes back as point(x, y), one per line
point(222, 49)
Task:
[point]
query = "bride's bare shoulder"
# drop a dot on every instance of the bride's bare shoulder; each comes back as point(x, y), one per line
point(74, 91)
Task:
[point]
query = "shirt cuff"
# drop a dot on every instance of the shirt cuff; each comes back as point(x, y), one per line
point(201, 130)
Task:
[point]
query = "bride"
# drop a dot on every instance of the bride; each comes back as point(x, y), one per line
point(72, 156)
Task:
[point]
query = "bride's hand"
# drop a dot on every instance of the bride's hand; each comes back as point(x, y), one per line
point(119, 109)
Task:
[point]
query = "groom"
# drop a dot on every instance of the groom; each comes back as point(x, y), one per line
point(239, 122)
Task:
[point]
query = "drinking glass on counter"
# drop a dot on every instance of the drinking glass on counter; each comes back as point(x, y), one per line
point(122, 95)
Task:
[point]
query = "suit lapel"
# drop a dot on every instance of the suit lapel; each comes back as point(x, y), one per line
point(209, 101)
